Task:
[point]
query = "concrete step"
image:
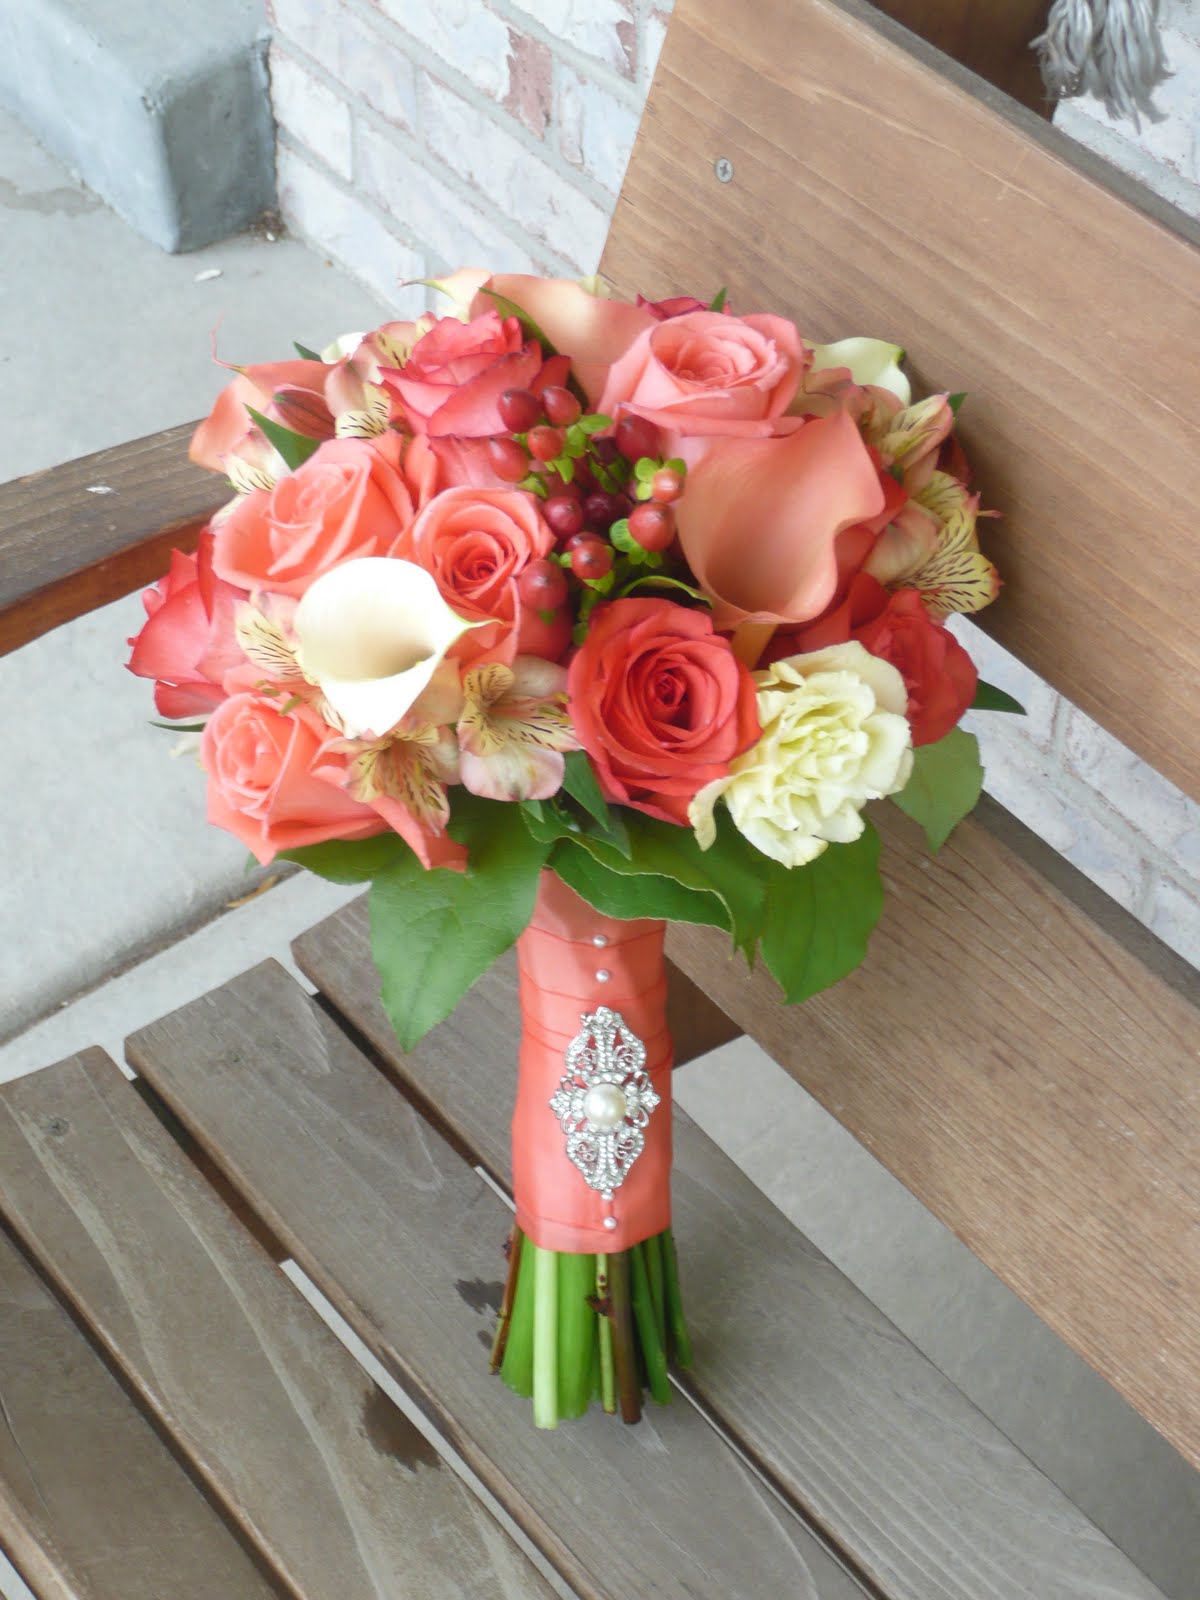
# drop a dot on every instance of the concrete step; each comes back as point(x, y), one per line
point(160, 106)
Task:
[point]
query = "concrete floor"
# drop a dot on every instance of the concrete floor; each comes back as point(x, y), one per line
point(95, 885)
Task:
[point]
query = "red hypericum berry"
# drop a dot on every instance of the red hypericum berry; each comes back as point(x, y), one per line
point(561, 406)
point(591, 558)
point(601, 510)
point(545, 633)
point(546, 443)
point(653, 526)
point(543, 586)
point(509, 460)
point(635, 438)
point(605, 450)
point(577, 539)
point(564, 514)
point(666, 485)
point(519, 409)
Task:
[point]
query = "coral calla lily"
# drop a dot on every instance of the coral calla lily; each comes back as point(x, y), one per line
point(871, 362)
point(371, 634)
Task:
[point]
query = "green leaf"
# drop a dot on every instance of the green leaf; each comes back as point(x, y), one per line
point(534, 483)
point(594, 423)
point(434, 933)
point(510, 308)
point(295, 448)
point(717, 303)
point(660, 580)
point(630, 897)
point(565, 467)
point(179, 727)
point(946, 781)
point(304, 352)
point(731, 871)
point(351, 860)
point(622, 539)
point(580, 782)
point(645, 467)
point(954, 401)
point(819, 917)
point(989, 698)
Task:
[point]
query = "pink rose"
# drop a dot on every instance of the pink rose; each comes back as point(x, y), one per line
point(451, 383)
point(476, 543)
point(187, 642)
point(706, 374)
point(349, 499)
point(272, 779)
point(290, 392)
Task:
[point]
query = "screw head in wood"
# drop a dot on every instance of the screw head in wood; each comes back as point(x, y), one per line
point(723, 168)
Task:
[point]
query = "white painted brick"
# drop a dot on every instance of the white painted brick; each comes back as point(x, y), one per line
point(360, 57)
point(310, 111)
point(312, 25)
point(596, 129)
point(601, 28)
point(996, 665)
point(1168, 818)
point(466, 34)
point(654, 32)
point(512, 178)
point(456, 233)
point(1173, 912)
point(314, 206)
point(1028, 783)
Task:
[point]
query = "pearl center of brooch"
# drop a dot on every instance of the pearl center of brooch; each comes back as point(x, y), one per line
point(604, 1106)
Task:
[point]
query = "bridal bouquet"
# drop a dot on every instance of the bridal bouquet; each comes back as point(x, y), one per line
point(558, 618)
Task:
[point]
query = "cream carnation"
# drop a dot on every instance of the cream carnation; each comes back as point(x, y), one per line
point(835, 735)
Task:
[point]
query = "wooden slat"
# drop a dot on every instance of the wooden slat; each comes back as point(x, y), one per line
point(873, 194)
point(801, 1368)
point(334, 1485)
point(74, 1526)
point(66, 548)
point(992, 37)
point(405, 1239)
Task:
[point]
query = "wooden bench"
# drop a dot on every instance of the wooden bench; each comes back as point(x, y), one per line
point(177, 1420)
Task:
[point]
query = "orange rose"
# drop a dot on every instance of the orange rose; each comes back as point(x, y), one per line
point(476, 543)
point(660, 703)
point(760, 520)
point(706, 374)
point(349, 499)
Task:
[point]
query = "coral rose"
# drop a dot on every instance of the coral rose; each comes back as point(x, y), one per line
point(264, 782)
point(476, 543)
point(834, 736)
point(705, 374)
point(349, 499)
point(188, 641)
point(660, 703)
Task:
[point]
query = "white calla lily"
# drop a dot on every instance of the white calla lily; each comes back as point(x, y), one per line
point(871, 361)
point(370, 634)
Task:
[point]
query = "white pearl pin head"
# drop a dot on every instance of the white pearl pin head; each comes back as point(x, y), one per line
point(610, 1223)
point(603, 975)
point(600, 940)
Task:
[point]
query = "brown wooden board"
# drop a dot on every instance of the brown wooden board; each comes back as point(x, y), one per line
point(406, 1240)
point(874, 194)
point(992, 37)
point(337, 1488)
point(813, 1381)
point(93, 1506)
point(66, 547)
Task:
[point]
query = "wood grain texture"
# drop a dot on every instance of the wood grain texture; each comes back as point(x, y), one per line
point(64, 549)
point(406, 1240)
point(77, 1529)
point(874, 194)
point(852, 1422)
point(336, 1487)
point(991, 37)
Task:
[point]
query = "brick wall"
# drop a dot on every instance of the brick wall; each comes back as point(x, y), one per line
point(417, 137)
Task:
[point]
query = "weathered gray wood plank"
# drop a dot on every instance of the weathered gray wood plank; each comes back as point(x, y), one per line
point(93, 1506)
point(329, 1479)
point(406, 1239)
point(905, 1473)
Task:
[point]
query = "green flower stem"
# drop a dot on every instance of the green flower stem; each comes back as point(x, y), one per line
point(545, 1337)
point(652, 1252)
point(506, 1304)
point(629, 1388)
point(647, 1326)
point(681, 1344)
point(516, 1368)
point(604, 1335)
point(577, 1348)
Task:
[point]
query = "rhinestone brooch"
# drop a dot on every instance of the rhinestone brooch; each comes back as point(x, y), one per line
point(605, 1099)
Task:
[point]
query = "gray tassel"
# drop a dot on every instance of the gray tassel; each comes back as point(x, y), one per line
point(1108, 48)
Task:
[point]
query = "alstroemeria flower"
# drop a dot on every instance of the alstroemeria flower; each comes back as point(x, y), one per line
point(871, 363)
point(945, 562)
point(514, 729)
point(370, 634)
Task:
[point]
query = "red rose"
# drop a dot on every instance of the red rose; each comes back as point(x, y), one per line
point(938, 674)
point(660, 703)
point(187, 642)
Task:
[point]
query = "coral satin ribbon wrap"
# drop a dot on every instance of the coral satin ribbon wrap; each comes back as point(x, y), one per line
point(559, 960)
